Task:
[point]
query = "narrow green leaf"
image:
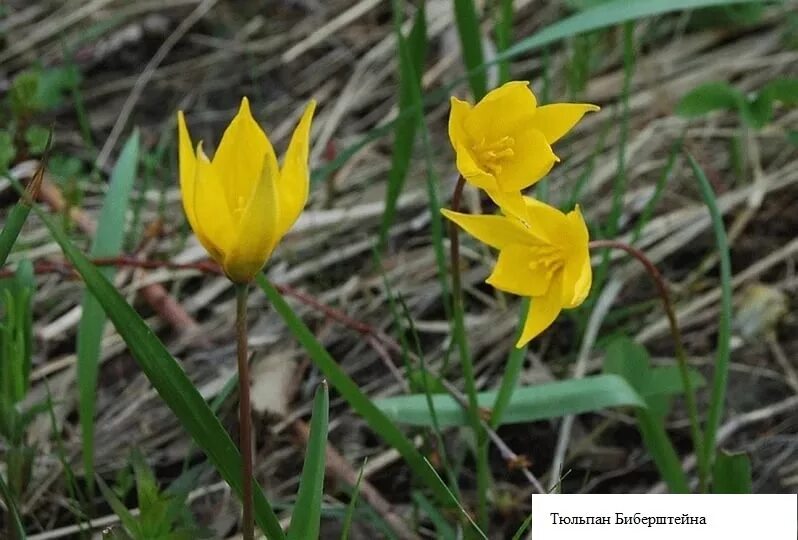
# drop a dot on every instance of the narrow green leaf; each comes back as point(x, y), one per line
point(168, 378)
point(443, 530)
point(122, 512)
point(411, 64)
point(720, 378)
point(306, 518)
point(528, 404)
point(465, 13)
point(352, 506)
point(19, 213)
point(603, 16)
point(659, 445)
point(630, 360)
point(522, 529)
point(708, 97)
point(12, 510)
point(107, 243)
point(732, 473)
point(504, 27)
point(361, 403)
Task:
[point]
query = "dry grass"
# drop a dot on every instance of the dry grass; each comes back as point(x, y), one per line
point(148, 62)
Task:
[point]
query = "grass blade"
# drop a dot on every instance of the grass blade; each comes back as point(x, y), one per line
point(13, 512)
point(504, 27)
point(465, 13)
point(107, 243)
point(168, 378)
point(731, 474)
point(356, 399)
point(522, 529)
point(19, 213)
point(603, 16)
point(720, 378)
point(411, 62)
point(306, 518)
point(352, 506)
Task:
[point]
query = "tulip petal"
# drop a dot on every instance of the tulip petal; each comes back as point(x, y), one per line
point(513, 273)
point(532, 159)
point(496, 231)
point(557, 119)
point(577, 274)
point(577, 279)
point(187, 165)
point(510, 202)
point(468, 167)
point(214, 222)
point(547, 222)
point(457, 115)
point(240, 156)
point(543, 310)
point(501, 111)
point(294, 183)
point(257, 230)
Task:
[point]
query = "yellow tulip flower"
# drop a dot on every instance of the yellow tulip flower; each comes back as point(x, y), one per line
point(241, 204)
point(542, 254)
point(503, 143)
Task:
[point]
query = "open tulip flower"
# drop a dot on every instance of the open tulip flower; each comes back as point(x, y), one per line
point(503, 143)
point(241, 203)
point(542, 254)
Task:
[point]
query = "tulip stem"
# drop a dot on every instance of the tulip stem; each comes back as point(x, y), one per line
point(244, 412)
point(481, 455)
point(681, 356)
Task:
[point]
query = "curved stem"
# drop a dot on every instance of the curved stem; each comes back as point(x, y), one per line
point(244, 413)
point(481, 456)
point(681, 356)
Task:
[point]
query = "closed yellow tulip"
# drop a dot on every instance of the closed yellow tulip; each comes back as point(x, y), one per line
point(542, 254)
point(503, 143)
point(241, 203)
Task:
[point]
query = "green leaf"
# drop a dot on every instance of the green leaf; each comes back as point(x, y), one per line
point(731, 473)
point(122, 512)
point(522, 529)
point(107, 243)
point(16, 298)
point(361, 403)
point(411, 63)
point(720, 379)
point(528, 404)
point(630, 360)
point(350, 508)
point(710, 97)
point(7, 150)
point(306, 518)
point(37, 136)
point(22, 93)
point(168, 378)
point(19, 213)
point(783, 90)
point(603, 16)
point(443, 531)
point(467, 19)
point(54, 83)
point(11, 510)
